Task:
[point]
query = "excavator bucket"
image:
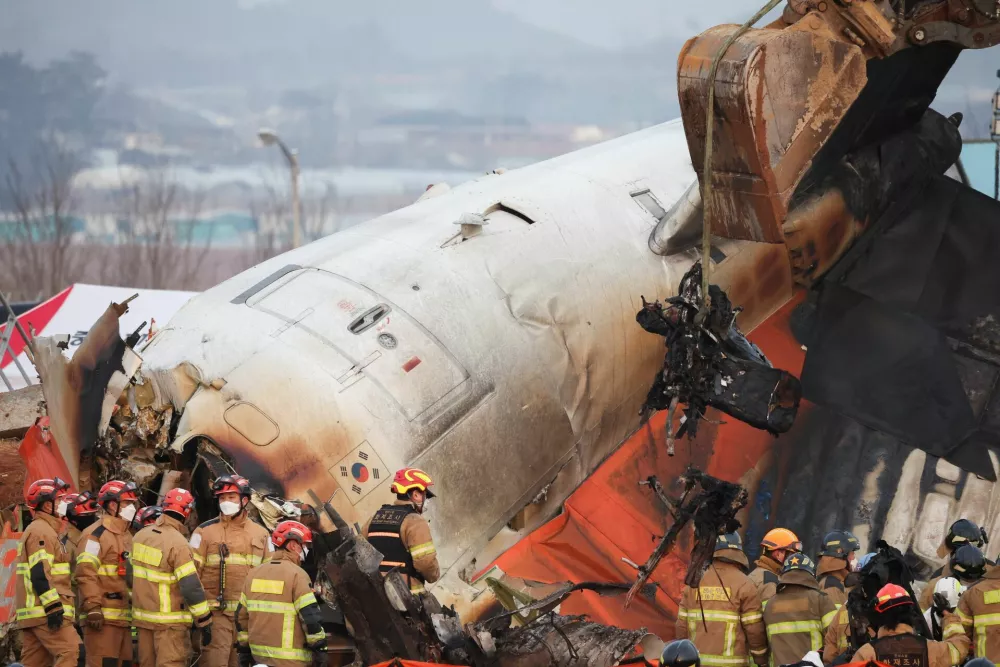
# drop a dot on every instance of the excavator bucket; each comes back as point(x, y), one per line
point(779, 95)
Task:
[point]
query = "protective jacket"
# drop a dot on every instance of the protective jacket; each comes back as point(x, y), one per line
point(765, 577)
point(722, 616)
point(403, 537)
point(278, 614)
point(42, 575)
point(797, 617)
point(832, 572)
point(237, 541)
point(979, 613)
point(102, 565)
point(166, 591)
point(901, 647)
point(838, 636)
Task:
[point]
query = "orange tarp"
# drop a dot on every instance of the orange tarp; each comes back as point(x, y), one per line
point(611, 516)
point(41, 456)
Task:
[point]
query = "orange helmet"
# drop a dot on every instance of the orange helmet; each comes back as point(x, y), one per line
point(291, 531)
point(408, 479)
point(44, 490)
point(781, 538)
point(117, 491)
point(891, 596)
point(231, 484)
point(178, 500)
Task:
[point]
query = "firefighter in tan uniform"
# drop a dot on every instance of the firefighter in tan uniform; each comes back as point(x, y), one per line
point(777, 545)
point(894, 617)
point(102, 565)
point(43, 598)
point(960, 533)
point(837, 640)
point(979, 607)
point(402, 535)
point(836, 561)
point(81, 514)
point(278, 620)
point(799, 614)
point(722, 616)
point(167, 596)
point(225, 550)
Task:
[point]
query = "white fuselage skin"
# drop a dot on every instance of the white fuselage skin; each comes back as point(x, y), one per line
point(513, 364)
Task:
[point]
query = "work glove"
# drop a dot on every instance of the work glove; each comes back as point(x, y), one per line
point(206, 635)
point(947, 591)
point(54, 615)
point(95, 619)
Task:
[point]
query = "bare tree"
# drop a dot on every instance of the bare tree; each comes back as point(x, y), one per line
point(158, 234)
point(37, 233)
point(318, 212)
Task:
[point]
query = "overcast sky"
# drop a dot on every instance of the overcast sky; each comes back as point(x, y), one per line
point(620, 23)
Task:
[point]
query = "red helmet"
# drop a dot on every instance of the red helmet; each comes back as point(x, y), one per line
point(44, 490)
point(80, 504)
point(148, 515)
point(891, 596)
point(408, 479)
point(291, 530)
point(231, 484)
point(117, 491)
point(178, 500)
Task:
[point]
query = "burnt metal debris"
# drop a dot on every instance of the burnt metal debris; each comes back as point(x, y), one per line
point(389, 622)
point(710, 504)
point(710, 363)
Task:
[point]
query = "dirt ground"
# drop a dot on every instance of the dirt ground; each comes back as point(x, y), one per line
point(11, 473)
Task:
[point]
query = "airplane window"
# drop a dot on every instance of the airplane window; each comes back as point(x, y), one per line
point(648, 202)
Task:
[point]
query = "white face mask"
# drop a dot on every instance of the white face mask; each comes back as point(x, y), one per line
point(61, 508)
point(305, 552)
point(229, 508)
point(854, 565)
point(127, 513)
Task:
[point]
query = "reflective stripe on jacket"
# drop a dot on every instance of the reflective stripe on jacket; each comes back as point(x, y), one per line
point(101, 566)
point(165, 589)
point(797, 617)
point(979, 613)
point(42, 574)
point(247, 544)
point(723, 618)
point(272, 618)
point(404, 539)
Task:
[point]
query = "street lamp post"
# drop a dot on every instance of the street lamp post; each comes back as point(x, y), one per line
point(271, 138)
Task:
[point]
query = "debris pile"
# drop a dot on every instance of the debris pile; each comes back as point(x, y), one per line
point(711, 504)
point(709, 362)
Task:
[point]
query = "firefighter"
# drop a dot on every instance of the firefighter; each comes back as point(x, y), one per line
point(722, 616)
point(101, 568)
point(837, 560)
point(147, 516)
point(273, 595)
point(80, 513)
point(42, 590)
point(799, 614)
point(979, 607)
point(777, 544)
point(167, 595)
point(225, 549)
point(894, 617)
point(960, 533)
point(680, 653)
point(402, 535)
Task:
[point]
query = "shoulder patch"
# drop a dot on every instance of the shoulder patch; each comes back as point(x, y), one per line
point(210, 522)
point(99, 531)
point(93, 548)
point(195, 540)
point(991, 597)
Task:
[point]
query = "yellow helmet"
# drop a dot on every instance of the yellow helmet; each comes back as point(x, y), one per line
point(408, 479)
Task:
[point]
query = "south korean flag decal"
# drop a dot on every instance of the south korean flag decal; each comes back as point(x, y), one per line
point(360, 472)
